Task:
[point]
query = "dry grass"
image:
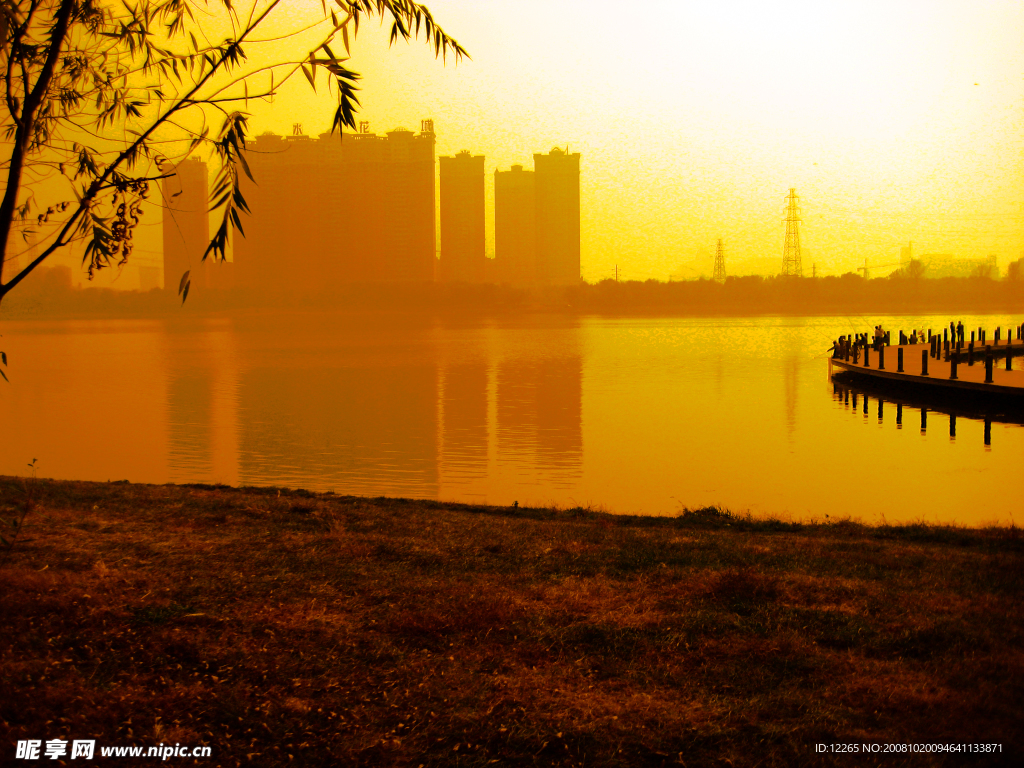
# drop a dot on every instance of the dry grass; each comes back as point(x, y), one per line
point(286, 627)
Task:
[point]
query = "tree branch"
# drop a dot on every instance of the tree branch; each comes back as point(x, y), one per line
point(24, 131)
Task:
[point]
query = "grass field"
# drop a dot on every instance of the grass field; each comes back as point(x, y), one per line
point(290, 628)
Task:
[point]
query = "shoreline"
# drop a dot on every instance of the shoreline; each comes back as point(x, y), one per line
point(713, 516)
point(752, 296)
point(279, 626)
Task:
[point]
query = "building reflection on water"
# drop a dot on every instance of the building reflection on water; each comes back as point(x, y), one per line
point(539, 414)
point(679, 413)
point(388, 423)
point(202, 399)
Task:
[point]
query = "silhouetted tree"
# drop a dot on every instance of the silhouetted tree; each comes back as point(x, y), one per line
point(1015, 271)
point(985, 271)
point(914, 270)
point(95, 91)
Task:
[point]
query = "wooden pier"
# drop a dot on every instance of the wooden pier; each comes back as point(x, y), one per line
point(993, 366)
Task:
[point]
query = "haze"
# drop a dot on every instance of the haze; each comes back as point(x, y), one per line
point(895, 122)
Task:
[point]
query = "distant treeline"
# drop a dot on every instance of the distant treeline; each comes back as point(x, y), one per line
point(50, 295)
point(848, 294)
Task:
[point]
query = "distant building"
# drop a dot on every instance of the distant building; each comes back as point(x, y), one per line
point(354, 208)
point(149, 277)
point(515, 226)
point(557, 184)
point(462, 218)
point(948, 265)
point(537, 221)
point(186, 230)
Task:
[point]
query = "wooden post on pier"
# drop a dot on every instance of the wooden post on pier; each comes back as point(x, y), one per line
point(988, 368)
point(881, 358)
point(952, 367)
point(924, 362)
point(899, 359)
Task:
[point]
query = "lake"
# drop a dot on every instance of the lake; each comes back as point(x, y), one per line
point(636, 416)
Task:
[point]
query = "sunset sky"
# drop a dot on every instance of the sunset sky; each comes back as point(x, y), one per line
point(895, 121)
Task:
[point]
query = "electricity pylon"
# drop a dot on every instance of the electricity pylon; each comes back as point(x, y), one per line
point(719, 262)
point(791, 253)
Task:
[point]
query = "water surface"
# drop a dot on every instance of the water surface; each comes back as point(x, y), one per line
point(641, 416)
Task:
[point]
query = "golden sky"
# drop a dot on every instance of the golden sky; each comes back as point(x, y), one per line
point(895, 120)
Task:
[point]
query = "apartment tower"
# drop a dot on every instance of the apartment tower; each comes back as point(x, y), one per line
point(353, 208)
point(557, 185)
point(462, 218)
point(186, 229)
point(515, 226)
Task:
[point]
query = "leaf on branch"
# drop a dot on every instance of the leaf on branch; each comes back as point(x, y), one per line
point(184, 293)
point(245, 165)
point(308, 75)
point(184, 282)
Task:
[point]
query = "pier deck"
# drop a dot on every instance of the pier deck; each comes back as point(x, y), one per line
point(969, 377)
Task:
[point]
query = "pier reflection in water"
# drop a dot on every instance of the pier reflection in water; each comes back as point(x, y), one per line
point(634, 415)
point(965, 404)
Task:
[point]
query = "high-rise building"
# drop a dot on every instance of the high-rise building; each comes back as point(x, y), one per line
point(557, 184)
point(354, 208)
point(515, 226)
point(186, 229)
point(149, 277)
point(462, 218)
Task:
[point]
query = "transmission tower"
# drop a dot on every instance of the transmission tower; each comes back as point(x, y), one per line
point(719, 262)
point(791, 254)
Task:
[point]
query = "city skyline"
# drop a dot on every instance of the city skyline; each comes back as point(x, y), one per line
point(894, 121)
point(911, 130)
point(310, 229)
